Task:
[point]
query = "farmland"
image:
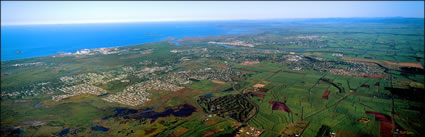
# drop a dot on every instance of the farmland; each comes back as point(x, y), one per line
point(352, 77)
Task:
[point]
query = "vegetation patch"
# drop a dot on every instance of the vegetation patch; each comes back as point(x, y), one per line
point(295, 129)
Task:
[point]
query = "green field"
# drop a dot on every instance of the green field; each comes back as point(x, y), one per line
point(368, 65)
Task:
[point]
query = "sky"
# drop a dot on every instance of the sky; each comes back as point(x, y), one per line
point(67, 12)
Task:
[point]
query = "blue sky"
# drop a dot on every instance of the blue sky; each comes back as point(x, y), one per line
point(46, 12)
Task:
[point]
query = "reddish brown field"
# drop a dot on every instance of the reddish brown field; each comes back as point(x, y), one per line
point(263, 90)
point(279, 106)
point(326, 94)
point(209, 133)
point(375, 75)
point(385, 124)
point(258, 95)
point(346, 133)
point(149, 131)
point(180, 131)
point(365, 86)
point(210, 122)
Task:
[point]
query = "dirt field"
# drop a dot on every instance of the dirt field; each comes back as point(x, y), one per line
point(258, 85)
point(387, 64)
point(209, 133)
point(218, 81)
point(223, 66)
point(405, 64)
point(279, 106)
point(180, 131)
point(294, 128)
point(248, 63)
point(346, 133)
point(210, 122)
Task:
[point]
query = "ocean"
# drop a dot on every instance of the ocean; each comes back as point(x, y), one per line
point(27, 41)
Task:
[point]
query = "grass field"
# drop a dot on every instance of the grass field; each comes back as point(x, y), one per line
point(290, 65)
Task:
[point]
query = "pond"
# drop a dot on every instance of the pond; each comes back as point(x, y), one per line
point(183, 110)
point(99, 128)
point(65, 131)
point(101, 95)
point(121, 112)
point(37, 105)
point(208, 95)
point(17, 131)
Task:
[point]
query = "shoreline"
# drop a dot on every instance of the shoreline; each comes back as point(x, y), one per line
point(174, 39)
point(41, 41)
point(57, 54)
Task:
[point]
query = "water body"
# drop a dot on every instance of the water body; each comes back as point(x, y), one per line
point(99, 128)
point(43, 40)
point(121, 112)
point(17, 131)
point(183, 110)
point(208, 95)
point(37, 105)
point(101, 95)
point(65, 131)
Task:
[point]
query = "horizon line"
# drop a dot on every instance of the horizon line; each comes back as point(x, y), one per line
point(179, 20)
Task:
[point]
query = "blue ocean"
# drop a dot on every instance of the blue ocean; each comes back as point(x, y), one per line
point(26, 41)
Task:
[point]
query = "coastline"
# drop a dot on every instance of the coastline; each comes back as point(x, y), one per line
point(72, 53)
point(23, 42)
